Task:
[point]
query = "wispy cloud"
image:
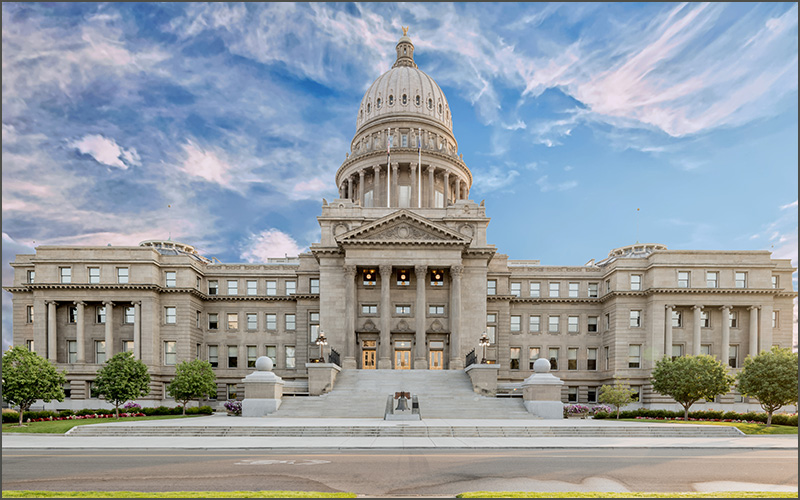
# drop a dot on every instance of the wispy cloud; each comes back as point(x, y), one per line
point(493, 179)
point(268, 244)
point(106, 151)
point(545, 185)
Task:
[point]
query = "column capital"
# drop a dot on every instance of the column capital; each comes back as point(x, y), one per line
point(446, 174)
point(78, 303)
point(349, 270)
point(395, 166)
point(420, 271)
point(385, 270)
point(136, 302)
point(362, 172)
point(430, 169)
point(697, 307)
point(456, 271)
point(754, 307)
point(413, 165)
point(669, 306)
point(722, 308)
point(376, 168)
point(48, 302)
point(108, 303)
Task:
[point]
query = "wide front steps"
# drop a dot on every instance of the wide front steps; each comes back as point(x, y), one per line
point(437, 431)
point(441, 394)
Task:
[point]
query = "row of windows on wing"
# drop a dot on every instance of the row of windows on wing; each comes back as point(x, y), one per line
point(402, 277)
point(401, 310)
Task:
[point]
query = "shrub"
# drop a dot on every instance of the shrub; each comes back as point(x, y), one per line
point(130, 405)
point(9, 417)
point(202, 410)
point(234, 406)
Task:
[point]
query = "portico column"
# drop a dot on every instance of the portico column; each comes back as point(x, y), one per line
point(726, 334)
point(430, 186)
point(753, 350)
point(361, 174)
point(414, 188)
point(456, 363)
point(395, 194)
point(137, 330)
point(458, 188)
point(668, 331)
point(349, 361)
point(446, 188)
point(51, 331)
point(420, 362)
point(377, 199)
point(80, 336)
point(696, 320)
point(384, 352)
point(109, 328)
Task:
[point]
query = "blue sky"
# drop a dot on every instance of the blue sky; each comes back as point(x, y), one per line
point(222, 125)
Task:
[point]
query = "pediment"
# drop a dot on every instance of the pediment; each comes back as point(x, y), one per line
point(403, 227)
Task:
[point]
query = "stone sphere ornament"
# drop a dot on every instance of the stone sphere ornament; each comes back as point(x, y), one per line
point(264, 364)
point(541, 365)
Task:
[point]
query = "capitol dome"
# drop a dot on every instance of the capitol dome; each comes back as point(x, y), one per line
point(404, 90)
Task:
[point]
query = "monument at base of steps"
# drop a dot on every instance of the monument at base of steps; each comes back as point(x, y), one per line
point(263, 390)
point(541, 392)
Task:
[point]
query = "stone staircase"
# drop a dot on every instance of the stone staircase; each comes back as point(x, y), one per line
point(442, 394)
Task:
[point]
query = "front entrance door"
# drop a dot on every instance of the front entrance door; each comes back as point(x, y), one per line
point(368, 359)
point(436, 361)
point(402, 360)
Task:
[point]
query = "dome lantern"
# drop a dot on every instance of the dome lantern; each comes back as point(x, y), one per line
point(405, 51)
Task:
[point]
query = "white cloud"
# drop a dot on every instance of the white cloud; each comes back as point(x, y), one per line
point(545, 185)
point(493, 179)
point(106, 151)
point(207, 165)
point(310, 188)
point(270, 243)
point(789, 205)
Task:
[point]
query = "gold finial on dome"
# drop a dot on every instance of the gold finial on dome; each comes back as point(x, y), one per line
point(405, 30)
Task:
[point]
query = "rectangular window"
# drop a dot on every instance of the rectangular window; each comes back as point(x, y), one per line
point(170, 356)
point(213, 355)
point(230, 391)
point(608, 321)
point(291, 287)
point(636, 319)
point(553, 324)
point(608, 286)
point(272, 353)
point(516, 323)
point(66, 274)
point(593, 289)
point(555, 289)
point(636, 281)
point(534, 324)
point(683, 279)
point(591, 324)
point(438, 199)
point(637, 390)
point(404, 140)
point(122, 275)
point(289, 356)
point(197, 315)
point(491, 326)
point(516, 289)
point(591, 395)
point(733, 356)
point(213, 287)
point(533, 355)
point(213, 321)
point(313, 285)
point(775, 280)
point(705, 349)
point(233, 321)
point(553, 358)
point(741, 280)
point(101, 314)
point(404, 310)
point(99, 351)
point(32, 277)
point(404, 197)
point(233, 287)
point(171, 279)
point(72, 351)
point(677, 351)
point(704, 320)
point(572, 324)
point(491, 287)
point(272, 288)
point(572, 394)
point(712, 279)
point(233, 356)
point(403, 278)
point(369, 199)
point(252, 321)
point(252, 287)
point(606, 358)
point(437, 277)
point(435, 310)
point(591, 358)
point(291, 322)
point(573, 289)
point(634, 356)
point(198, 282)
point(313, 324)
point(536, 289)
point(127, 346)
point(272, 321)
point(572, 358)
point(775, 316)
point(515, 358)
point(252, 355)
point(29, 314)
point(369, 277)
point(130, 315)
point(94, 275)
point(677, 319)
point(170, 315)
point(733, 320)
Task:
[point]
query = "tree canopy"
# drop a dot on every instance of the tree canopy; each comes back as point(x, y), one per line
point(688, 379)
point(121, 379)
point(28, 377)
point(618, 395)
point(770, 377)
point(193, 380)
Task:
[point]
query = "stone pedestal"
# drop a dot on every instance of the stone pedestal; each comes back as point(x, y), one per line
point(263, 390)
point(484, 378)
point(541, 392)
point(321, 377)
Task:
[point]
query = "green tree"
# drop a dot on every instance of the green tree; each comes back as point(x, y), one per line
point(688, 379)
point(121, 379)
point(771, 377)
point(193, 380)
point(28, 377)
point(618, 395)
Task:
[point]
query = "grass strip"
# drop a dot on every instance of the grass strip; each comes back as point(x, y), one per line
point(754, 429)
point(173, 494)
point(62, 426)
point(606, 494)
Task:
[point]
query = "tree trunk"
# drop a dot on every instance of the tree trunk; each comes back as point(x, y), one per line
point(184, 409)
point(116, 411)
point(618, 409)
point(769, 418)
point(686, 413)
point(20, 416)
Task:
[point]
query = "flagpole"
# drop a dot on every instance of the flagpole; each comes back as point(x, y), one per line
point(419, 166)
point(388, 168)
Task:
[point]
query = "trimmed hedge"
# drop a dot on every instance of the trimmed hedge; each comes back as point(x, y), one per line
point(13, 416)
point(777, 418)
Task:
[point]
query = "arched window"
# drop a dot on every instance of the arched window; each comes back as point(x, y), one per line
point(440, 108)
point(368, 107)
point(417, 101)
point(405, 99)
point(378, 103)
point(430, 103)
point(391, 100)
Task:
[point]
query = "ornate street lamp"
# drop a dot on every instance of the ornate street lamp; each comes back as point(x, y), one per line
point(321, 342)
point(483, 342)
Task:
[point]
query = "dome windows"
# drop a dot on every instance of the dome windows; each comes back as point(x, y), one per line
point(417, 101)
point(430, 103)
point(404, 99)
point(369, 107)
point(391, 100)
point(378, 103)
point(440, 108)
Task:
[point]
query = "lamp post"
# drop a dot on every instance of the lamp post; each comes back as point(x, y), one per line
point(483, 342)
point(321, 342)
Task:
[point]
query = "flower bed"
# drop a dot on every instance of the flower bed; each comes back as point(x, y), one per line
point(576, 411)
point(80, 417)
point(233, 406)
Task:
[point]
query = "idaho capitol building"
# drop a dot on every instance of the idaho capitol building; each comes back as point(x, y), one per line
point(403, 278)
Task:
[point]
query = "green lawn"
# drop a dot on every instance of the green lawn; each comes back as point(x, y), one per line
point(603, 494)
point(173, 494)
point(746, 428)
point(62, 426)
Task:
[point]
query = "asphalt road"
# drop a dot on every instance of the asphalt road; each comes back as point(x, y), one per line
point(402, 472)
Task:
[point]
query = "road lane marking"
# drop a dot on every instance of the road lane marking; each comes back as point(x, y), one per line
point(281, 462)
